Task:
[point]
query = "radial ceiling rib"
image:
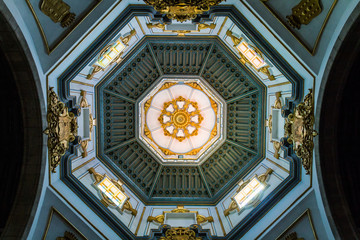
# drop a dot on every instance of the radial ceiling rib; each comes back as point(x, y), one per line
point(155, 60)
point(155, 181)
point(120, 96)
point(241, 96)
point(204, 180)
point(241, 146)
point(120, 145)
point(206, 59)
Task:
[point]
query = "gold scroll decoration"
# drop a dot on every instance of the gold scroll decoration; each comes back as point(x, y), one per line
point(105, 200)
point(96, 68)
point(180, 233)
point(200, 219)
point(304, 13)
point(182, 10)
point(300, 132)
point(58, 11)
point(61, 130)
point(67, 236)
point(265, 69)
point(233, 205)
point(85, 104)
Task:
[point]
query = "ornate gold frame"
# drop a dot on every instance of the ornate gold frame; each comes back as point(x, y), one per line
point(310, 50)
point(42, 33)
point(277, 105)
point(180, 209)
point(61, 130)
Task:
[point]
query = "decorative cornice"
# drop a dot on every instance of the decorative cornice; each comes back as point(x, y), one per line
point(61, 130)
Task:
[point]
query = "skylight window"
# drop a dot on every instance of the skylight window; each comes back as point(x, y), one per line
point(111, 191)
point(248, 193)
point(111, 54)
point(250, 54)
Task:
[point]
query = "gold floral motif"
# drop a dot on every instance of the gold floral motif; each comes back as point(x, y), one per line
point(194, 85)
point(166, 86)
point(300, 132)
point(180, 118)
point(58, 11)
point(147, 105)
point(62, 129)
point(182, 10)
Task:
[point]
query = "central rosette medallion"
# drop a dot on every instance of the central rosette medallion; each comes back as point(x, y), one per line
point(181, 120)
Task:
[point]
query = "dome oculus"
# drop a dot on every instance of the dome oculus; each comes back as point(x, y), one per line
point(181, 119)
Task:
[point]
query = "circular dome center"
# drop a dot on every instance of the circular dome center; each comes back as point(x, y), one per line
point(180, 118)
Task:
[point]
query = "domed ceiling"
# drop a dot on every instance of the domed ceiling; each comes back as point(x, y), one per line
point(181, 115)
point(181, 120)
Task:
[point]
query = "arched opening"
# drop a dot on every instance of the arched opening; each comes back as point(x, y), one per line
point(23, 148)
point(339, 137)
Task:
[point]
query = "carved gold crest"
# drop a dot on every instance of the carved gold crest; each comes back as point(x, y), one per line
point(62, 129)
point(300, 132)
point(182, 10)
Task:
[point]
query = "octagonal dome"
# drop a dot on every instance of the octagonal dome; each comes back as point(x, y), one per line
point(125, 112)
point(181, 120)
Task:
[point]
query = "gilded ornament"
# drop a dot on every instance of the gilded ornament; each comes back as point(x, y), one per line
point(202, 26)
point(269, 123)
point(67, 236)
point(182, 10)
point(277, 103)
point(58, 11)
point(277, 148)
point(180, 233)
point(127, 206)
point(233, 206)
point(176, 119)
point(61, 130)
point(299, 130)
point(85, 143)
point(180, 209)
point(194, 85)
point(304, 13)
point(156, 25)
